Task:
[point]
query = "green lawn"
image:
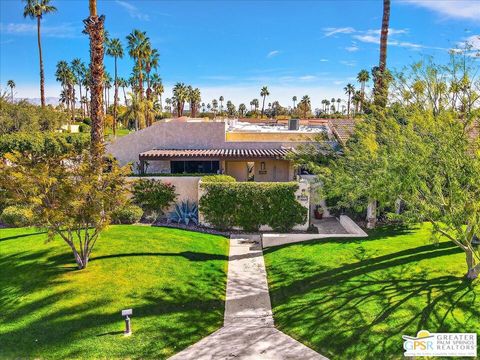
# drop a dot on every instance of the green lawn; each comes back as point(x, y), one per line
point(174, 280)
point(354, 299)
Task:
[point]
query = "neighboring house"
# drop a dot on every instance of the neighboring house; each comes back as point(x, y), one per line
point(243, 150)
point(342, 128)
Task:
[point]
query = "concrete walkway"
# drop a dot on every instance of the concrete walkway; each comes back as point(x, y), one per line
point(248, 331)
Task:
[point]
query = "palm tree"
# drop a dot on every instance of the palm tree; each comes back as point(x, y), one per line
point(362, 77)
point(94, 27)
point(168, 101)
point(264, 93)
point(108, 84)
point(380, 87)
point(305, 105)
point(79, 70)
point(349, 90)
point(66, 77)
point(338, 104)
point(256, 104)
point(221, 105)
point(214, 106)
point(180, 95)
point(294, 101)
point(36, 9)
point(115, 49)
point(158, 90)
point(138, 49)
point(123, 84)
point(194, 98)
point(333, 104)
point(242, 109)
point(11, 85)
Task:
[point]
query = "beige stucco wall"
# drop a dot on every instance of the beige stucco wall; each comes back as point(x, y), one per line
point(269, 136)
point(275, 170)
point(237, 169)
point(186, 187)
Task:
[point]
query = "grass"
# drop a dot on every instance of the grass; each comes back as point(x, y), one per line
point(354, 299)
point(173, 279)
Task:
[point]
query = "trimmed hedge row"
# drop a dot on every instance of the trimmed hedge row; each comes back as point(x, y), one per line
point(250, 205)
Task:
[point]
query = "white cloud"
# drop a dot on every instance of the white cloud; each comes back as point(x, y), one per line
point(307, 77)
point(133, 11)
point(323, 60)
point(391, 31)
point(460, 9)
point(332, 31)
point(273, 53)
point(352, 48)
point(348, 62)
point(66, 30)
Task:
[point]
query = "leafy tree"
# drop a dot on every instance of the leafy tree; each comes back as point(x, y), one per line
point(153, 196)
point(35, 9)
point(68, 196)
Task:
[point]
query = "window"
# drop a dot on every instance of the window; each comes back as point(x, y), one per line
point(194, 167)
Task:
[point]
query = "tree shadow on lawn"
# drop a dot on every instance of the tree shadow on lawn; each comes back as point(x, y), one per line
point(20, 236)
point(189, 255)
point(165, 320)
point(361, 310)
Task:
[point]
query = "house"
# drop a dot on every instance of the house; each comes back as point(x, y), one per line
point(246, 151)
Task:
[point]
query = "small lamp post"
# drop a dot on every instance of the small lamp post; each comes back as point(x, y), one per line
point(128, 327)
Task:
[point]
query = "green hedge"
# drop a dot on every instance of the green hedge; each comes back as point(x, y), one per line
point(127, 214)
point(250, 205)
point(218, 178)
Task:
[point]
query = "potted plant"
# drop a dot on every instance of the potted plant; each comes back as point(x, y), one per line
point(318, 212)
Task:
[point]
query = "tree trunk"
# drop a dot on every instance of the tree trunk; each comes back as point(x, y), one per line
point(263, 106)
point(94, 28)
point(380, 91)
point(115, 102)
point(81, 101)
point(473, 268)
point(348, 105)
point(42, 75)
point(124, 96)
point(372, 214)
point(72, 92)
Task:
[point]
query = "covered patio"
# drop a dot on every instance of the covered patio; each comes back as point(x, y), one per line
point(243, 164)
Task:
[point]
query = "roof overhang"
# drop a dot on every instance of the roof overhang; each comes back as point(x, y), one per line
point(188, 154)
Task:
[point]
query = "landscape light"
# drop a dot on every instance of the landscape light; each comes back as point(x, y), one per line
point(128, 327)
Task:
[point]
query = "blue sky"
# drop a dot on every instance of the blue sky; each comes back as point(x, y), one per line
point(232, 48)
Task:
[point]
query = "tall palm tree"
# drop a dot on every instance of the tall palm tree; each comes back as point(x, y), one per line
point(66, 77)
point(123, 84)
point(115, 49)
point(380, 87)
point(338, 104)
point(79, 70)
point(333, 104)
point(264, 93)
point(294, 99)
point(11, 85)
point(305, 105)
point(349, 91)
point(256, 104)
point(108, 84)
point(214, 107)
point(35, 9)
point(138, 49)
point(362, 77)
point(94, 27)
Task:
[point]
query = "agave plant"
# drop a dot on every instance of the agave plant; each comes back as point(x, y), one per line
point(185, 212)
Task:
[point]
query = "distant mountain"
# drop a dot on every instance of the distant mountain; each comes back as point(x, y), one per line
point(36, 101)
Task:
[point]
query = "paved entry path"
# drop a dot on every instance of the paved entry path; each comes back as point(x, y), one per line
point(248, 331)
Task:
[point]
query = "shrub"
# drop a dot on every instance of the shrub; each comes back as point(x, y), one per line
point(251, 205)
point(185, 212)
point(127, 214)
point(153, 196)
point(84, 128)
point(17, 216)
point(218, 178)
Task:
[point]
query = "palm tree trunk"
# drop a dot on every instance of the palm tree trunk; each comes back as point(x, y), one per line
point(263, 106)
point(124, 96)
point(380, 91)
point(94, 27)
point(42, 75)
point(363, 96)
point(348, 105)
point(11, 90)
point(81, 102)
point(115, 102)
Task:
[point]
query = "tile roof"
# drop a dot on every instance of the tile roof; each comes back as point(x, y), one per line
point(342, 128)
point(215, 153)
